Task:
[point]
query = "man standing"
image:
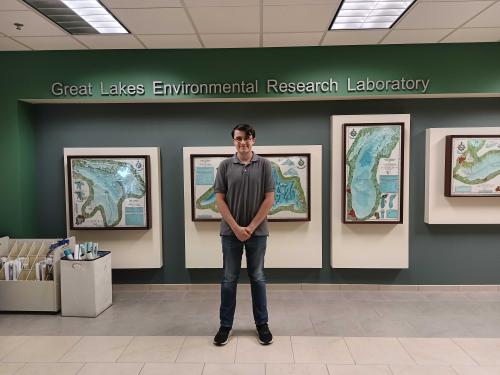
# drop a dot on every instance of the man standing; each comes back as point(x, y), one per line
point(244, 189)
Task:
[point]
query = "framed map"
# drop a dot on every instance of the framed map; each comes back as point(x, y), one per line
point(472, 166)
point(291, 173)
point(109, 192)
point(373, 173)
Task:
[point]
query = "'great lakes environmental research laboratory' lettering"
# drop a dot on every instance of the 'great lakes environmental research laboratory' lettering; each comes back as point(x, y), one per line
point(271, 86)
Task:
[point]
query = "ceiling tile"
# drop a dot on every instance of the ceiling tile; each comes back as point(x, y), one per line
point(170, 41)
point(474, 35)
point(222, 3)
point(299, 18)
point(7, 44)
point(141, 4)
point(51, 42)
point(416, 36)
point(110, 41)
point(430, 15)
point(155, 20)
point(231, 40)
point(210, 20)
point(292, 39)
point(34, 24)
point(353, 37)
point(489, 18)
point(12, 5)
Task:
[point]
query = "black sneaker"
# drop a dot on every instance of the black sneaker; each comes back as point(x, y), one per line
point(222, 337)
point(265, 335)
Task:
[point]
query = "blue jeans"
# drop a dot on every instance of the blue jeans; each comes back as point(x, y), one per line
point(232, 250)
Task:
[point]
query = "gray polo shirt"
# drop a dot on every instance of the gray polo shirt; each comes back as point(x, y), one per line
point(244, 187)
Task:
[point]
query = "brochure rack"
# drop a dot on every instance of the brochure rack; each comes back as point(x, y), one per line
point(27, 293)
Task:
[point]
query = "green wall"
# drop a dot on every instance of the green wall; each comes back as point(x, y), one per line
point(452, 69)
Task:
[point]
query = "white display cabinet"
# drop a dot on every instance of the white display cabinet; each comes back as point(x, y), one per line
point(27, 293)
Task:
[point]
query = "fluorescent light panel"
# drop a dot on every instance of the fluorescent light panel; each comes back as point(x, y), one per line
point(87, 9)
point(369, 14)
point(79, 17)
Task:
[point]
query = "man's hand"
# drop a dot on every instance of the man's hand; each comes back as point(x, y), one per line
point(241, 233)
point(250, 229)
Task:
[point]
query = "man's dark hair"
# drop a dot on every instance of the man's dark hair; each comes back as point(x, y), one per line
point(249, 131)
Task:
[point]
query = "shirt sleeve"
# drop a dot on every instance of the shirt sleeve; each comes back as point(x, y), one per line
point(220, 184)
point(268, 178)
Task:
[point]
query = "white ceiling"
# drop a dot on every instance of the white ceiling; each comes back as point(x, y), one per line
point(250, 23)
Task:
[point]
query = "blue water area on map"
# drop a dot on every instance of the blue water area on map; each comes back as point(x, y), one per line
point(382, 214)
point(383, 198)
point(285, 193)
point(480, 170)
point(363, 190)
point(391, 214)
point(389, 183)
point(391, 200)
point(205, 176)
point(111, 181)
point(210, 199)
point(463, 189)
point(134, 216)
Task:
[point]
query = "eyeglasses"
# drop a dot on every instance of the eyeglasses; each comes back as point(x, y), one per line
point(243, 140)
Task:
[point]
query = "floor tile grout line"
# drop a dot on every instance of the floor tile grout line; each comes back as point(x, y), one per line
point(406, 350)
point(125, 349)
point(291, 348)
point(328, 369)
point(180, 348)
point(19, 369)
point(349, 349)
point(142, 367)
point(466, 352)
point(70, 348)
point(26, 338)
point(81, 367)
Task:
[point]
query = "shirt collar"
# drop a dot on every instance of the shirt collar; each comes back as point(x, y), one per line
point(254, 159)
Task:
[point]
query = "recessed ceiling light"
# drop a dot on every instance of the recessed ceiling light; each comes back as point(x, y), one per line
point(79, 17)
point(369, 14)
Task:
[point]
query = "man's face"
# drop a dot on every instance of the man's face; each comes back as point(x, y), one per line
point(242, 142)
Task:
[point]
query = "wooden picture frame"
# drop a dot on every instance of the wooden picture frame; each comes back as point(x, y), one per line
point(460, 165)
point(375, 206)
point(138, 215)
point(207, 196)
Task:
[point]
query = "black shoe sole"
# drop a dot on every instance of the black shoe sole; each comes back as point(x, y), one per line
point(225, 342)
point(265, 343)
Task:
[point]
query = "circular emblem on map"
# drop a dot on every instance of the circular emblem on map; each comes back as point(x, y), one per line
point(353, 133)
point(301, 164)
point(461, 148)
point(138, 165)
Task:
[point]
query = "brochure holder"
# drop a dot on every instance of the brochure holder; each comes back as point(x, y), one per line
point(26, 293)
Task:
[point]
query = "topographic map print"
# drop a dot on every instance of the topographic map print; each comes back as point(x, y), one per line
point(108, 192)
point(290, 173)
point(476, 166)
point(373, 173)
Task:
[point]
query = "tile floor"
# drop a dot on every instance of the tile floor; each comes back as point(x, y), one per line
point(316, 332)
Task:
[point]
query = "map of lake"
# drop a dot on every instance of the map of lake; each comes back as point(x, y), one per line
point(371, 144)
point(110, 182)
